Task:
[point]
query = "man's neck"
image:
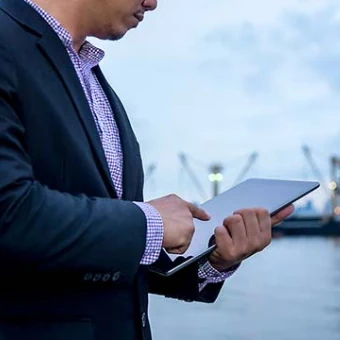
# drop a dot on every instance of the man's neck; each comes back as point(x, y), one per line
point(68, 14)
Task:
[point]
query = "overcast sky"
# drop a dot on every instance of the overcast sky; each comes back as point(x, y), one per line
point(221, 79)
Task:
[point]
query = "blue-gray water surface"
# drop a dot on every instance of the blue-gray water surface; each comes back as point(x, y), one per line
point(290, 291)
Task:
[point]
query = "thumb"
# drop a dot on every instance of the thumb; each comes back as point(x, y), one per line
point(283, 214)
point(198, 212)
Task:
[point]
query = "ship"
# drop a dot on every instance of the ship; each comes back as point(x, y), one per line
point(308, 226)
point(305, 221)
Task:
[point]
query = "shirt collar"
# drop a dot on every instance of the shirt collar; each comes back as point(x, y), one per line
point(88, 52)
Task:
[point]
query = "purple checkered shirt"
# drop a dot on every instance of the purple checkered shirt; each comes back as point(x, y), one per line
point(88, 57)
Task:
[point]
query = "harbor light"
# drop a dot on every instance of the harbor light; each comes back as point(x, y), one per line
point(218, 177)
point(333, 185)
point(337, 211)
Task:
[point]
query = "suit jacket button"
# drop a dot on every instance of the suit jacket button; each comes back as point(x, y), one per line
point(143, 320)
point(97, 277)
point(88, 276)
point(116, 276)
point(106, 277)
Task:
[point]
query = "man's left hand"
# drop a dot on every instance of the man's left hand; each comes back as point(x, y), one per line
point(243, 234)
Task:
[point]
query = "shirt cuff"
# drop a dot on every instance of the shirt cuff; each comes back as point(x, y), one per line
point(154, 234)
point(209, 274)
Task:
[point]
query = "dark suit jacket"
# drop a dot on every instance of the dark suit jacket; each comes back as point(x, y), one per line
point(69, 249)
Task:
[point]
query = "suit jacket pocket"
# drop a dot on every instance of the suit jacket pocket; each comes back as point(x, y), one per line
point(28, 329)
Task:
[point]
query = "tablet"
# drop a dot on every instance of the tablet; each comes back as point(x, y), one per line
point(270, 194)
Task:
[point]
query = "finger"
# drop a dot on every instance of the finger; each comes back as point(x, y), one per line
point(283, 214)
point(223, 240)
point(250, 220)
point(178, 250)
point(198, 212)
point(264, 220)
point(235, 226)
point(266, 229)
point(185, 241)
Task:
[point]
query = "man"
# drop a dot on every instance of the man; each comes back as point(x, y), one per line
point(76, 238)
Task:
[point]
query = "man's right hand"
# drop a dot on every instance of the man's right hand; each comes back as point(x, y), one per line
point(177, 216)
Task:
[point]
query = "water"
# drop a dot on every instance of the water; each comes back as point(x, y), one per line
point(291, 291)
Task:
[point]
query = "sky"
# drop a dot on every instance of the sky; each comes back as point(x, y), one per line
point(220, 80)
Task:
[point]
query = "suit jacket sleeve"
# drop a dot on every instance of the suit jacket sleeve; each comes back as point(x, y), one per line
point(47, 230)
point(183, 285)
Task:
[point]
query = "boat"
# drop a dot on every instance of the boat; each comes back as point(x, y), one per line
point(308, 226)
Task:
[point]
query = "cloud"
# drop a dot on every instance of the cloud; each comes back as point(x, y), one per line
point(222, 80)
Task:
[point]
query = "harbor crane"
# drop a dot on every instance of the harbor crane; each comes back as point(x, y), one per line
point(149, 171)
point(334, 184)
point(332, 188)
point(216, 174)
point(184, 161)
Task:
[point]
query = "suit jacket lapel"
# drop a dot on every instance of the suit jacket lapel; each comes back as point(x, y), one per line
point(129, 143)
point(58, 56)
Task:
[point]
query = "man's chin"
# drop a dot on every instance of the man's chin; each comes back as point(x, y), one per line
point(116, 36)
